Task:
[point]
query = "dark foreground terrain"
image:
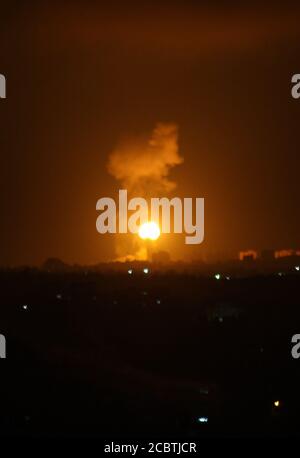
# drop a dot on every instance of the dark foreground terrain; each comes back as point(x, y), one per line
point(142, 355)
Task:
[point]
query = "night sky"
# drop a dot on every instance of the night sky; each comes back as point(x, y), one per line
point(80, 76)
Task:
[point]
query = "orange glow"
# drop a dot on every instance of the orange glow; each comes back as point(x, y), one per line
point(284, 253)
point(249, 254)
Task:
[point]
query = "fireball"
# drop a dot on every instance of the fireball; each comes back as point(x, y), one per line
point(149, 230)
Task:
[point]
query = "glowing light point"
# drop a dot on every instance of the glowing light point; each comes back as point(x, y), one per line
point(146, 270)
point(276, 403)
point(217, 276)
point(297, 268)
point(149, 230)
point(130, 271)
point(202, 420)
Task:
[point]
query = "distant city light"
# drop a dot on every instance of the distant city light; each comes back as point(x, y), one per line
point(297, 268)
point(158, 301)
point(276, 403)
point(227, 278)
point(280, 274)
point(202, 420)
point(204, 391)
point(146, 270)
point(58, 296)
point(130, 271)
point(24, 307)
point(217, 276)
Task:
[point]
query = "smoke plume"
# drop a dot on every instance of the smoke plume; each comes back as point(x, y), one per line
point(142, 165)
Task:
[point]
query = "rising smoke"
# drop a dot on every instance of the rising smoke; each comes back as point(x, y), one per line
point(142, 166)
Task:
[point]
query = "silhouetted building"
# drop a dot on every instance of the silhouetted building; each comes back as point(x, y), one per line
point(161, 257)
point(54, 265)
point(249, 255)
point(286, 253)
point(267, 255)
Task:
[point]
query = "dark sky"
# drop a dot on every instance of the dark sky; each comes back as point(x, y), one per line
point(80, 76)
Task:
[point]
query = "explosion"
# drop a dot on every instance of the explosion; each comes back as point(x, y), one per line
point(149, 230)
point(142, 166)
